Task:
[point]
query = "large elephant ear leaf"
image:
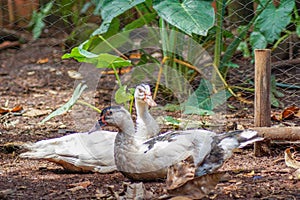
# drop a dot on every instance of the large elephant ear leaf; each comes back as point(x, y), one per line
point(272, 21)
point(110, 9)
point(190, 16)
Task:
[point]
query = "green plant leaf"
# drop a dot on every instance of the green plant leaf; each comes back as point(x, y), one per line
point(172, 121)
point(203, 100)
point(76, 94)
point(272, 20)
point(122, 95)
point(37, 20)
point(103, 60)
point(275, 102)
point(109, 9)
point(243, 47)
point(258, 40)
point(74, 54)
point(147, 18)
point(188, 15)
point(298, 29)
point(232, 65)
point(275, 94)
point(106, 60)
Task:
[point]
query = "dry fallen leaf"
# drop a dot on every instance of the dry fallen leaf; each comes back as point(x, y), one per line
point(121, 71)
point(178, 174)
point(36, 112)
point(4, 110)
point(42, 60)
point(17, 108)
point(79, 186)
point(286, 114)
point(290, 159)
point(136, 191)
point(74, 74)
point(276, 116)
point(198, 187)
point(290, 112)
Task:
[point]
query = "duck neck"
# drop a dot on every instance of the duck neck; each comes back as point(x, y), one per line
point(126, 137)
point(146, 126)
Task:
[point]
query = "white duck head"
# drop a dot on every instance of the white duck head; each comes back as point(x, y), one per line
point(143, 95)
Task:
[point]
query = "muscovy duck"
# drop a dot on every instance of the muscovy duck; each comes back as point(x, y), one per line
point(150, 159)
point(93, 150)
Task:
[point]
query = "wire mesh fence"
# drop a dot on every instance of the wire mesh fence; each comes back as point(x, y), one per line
point(69, 24)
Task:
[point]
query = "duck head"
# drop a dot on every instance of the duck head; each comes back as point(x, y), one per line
point(115, 116)
point(143, 94)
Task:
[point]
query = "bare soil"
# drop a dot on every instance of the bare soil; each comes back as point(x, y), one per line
point(27, 80)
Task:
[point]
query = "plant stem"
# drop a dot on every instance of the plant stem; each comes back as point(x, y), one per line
point(117, 75)
point(159, 76)
point(288, 33)
point(219, 24)
point(242, 88)
point(224, 81)
point(88, 105)
point(116, 50)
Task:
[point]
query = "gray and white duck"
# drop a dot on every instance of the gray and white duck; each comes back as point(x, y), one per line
point(150, 159)
point(93, 151)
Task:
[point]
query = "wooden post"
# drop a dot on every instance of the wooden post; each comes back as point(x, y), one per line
point(262, 105)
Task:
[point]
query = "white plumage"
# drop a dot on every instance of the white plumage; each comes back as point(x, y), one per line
point(150, 159)
point(93, 151)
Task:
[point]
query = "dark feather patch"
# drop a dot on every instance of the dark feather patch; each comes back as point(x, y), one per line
point(169, 137)
point(213, 160)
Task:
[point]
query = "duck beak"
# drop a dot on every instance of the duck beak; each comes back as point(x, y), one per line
point(150, 101)
point(96, 127)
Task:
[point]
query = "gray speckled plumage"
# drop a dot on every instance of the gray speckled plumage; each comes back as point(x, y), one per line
point(150, 159)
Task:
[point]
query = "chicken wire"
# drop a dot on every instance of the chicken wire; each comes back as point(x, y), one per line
point(285, 58)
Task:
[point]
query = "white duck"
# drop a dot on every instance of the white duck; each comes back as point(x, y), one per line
point(150, 159)
point(94, 150)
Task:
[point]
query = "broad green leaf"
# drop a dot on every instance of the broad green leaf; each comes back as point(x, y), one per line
point(74, 54)
point(204, 100)
point(275, 102)
point(46, 9)
point(243, 47)
point(258, 40)
point(145, 19)
point(106, 60)
point(172, 121)
point(110, 9)
point(122, 95)
point(113, 28)
point(37, 20)
point(188, 15)
point(39, 25)
point(272, 21)
point(76, 94)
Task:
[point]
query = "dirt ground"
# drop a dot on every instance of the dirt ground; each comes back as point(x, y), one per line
point(27, 79)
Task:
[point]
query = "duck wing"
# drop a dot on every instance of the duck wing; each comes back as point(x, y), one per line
point(77, 152)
